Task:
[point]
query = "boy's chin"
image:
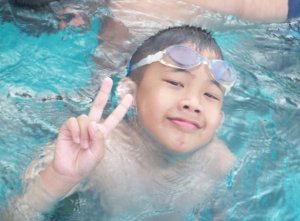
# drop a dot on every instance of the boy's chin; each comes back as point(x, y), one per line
point(181, 150)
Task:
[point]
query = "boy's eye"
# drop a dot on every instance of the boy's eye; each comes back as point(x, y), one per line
point(175, 83)
point(212, 96)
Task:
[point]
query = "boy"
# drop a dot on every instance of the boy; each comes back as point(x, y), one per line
point(162, 162)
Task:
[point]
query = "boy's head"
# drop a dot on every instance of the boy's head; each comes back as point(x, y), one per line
point(178, 78)
point(195, 36)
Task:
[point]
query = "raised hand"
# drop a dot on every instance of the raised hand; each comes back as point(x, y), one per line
point(80, 143)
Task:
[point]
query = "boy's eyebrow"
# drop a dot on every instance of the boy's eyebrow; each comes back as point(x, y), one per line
point(213, 81)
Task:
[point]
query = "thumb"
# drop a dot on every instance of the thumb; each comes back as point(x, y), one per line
point(96, 140)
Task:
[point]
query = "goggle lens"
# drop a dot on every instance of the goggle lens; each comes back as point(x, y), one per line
point(222, 71)
point(184, 56)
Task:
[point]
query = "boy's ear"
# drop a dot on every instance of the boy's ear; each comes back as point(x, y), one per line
point(126, 86)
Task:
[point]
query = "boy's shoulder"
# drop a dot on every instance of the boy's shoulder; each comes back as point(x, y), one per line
point(223, 158)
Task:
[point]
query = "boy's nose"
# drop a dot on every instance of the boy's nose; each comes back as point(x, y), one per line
point(190, 104)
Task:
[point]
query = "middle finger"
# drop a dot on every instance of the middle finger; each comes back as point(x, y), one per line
point(100, 100)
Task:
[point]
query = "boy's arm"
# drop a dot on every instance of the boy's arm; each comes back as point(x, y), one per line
point(42, 189)
point(249, 9)
point(78, 150)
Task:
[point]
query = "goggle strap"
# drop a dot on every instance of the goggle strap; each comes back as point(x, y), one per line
point(148, 60)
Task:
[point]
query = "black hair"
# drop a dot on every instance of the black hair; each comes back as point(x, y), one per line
point(33, 17)
point(36, 17)
point(31, 3)
point(197, 36)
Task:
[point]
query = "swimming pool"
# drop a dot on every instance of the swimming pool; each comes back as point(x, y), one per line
point(45, 79)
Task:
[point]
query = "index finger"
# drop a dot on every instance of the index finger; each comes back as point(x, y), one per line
point(100, 100)
point(116, 116)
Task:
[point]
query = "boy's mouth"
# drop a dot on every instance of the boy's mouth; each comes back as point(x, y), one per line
point(186, 125)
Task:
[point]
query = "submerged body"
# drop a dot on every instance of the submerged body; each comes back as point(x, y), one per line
point(137, 181)
point(151, 183)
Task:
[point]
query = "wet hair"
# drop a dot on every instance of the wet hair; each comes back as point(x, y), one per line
point(36, 17)
point(198, 37)
point(31, 3)
point(33, 17)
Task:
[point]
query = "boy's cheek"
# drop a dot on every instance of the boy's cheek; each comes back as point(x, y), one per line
point(214, 125)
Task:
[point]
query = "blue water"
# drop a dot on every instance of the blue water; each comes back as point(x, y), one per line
point(46, 79)
point(41, 84)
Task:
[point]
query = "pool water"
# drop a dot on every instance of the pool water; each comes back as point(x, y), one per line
point(42, 81)
point(46, 79)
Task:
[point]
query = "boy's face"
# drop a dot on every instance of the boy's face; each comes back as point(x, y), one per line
point(181, 109)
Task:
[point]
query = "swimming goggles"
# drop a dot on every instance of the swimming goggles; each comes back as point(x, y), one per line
point(183, 57)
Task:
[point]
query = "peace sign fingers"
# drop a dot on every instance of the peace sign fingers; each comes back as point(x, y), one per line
point(100, 101)
point(116, 116)
point(99, 104)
